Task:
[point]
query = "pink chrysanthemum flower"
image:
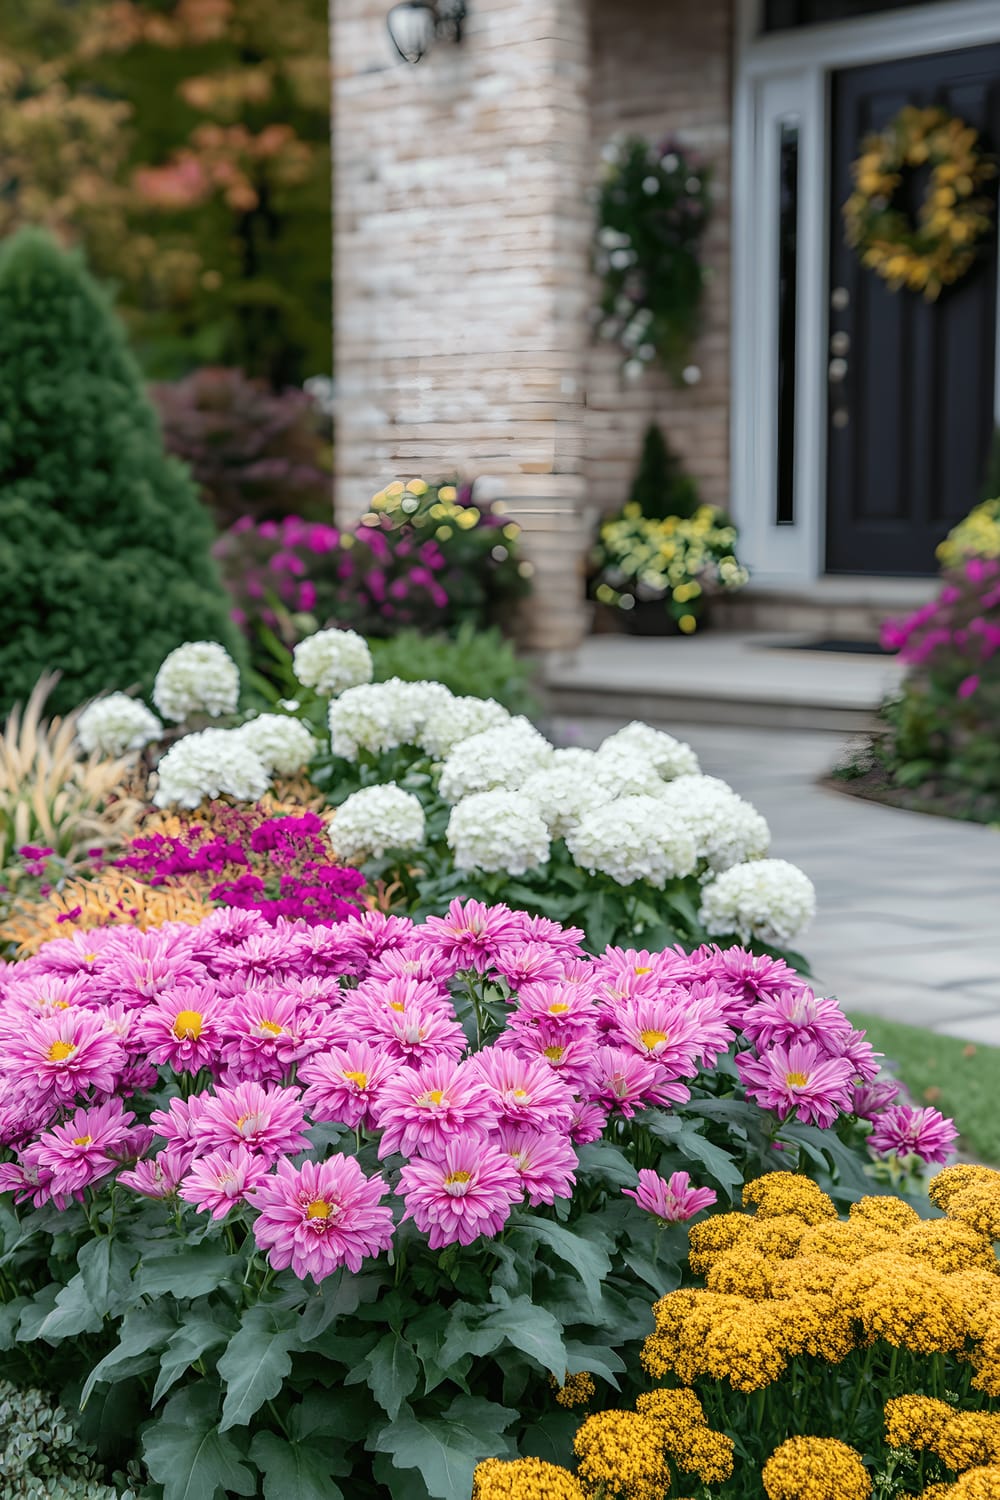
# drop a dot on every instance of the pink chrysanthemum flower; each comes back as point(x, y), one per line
point(421, 1109)
point(23, 1113)
point(344, 1083)
point(568, 1006)
point(869, 1100)
point(65, 1055)
point(269, 1121)
point(45, 995)
point(865, 1062)
point(32, 1184)
point(546, 1163)
point(798, 1079)
point(269, 1031)
point(320, 1216)
point(135, 978)
point(671, 1199)
point(469, 1191)
point(180, 1124)
point(566, 941)
point(262, 958)
point(623, 1081)
point(568, 1053)
point(796, 1015)
point(524, 1089)
point(79, 954)
point(373, 932)
point(528, 963)
point(79, 1151)
point(158, 1176)
point(747, 977)
point(411, 1033)
point(906, 1131)
point(415, 961)
point(401, 992)
point(588, 1123)
point(679, 1034)
point(471, 934)
point(185, 1028)
point(221, 1179)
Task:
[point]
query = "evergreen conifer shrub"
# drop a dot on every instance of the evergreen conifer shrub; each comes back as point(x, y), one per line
point(104, 545)
point(661, 488)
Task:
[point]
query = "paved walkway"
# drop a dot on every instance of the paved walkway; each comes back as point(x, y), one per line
point(908, 925)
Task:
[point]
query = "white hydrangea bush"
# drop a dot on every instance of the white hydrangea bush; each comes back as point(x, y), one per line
point(210, 763)
point(331, 661)
point(116, 725)
point(459, 719)
point(767, 899)
point(496, 759)
point(199, 677)
point(284, 744)
point(669, 757)
point(630, 839)
point(727, 830)
point(375, 819)
point(497, 831)
point(376, 717)
point(563, 791)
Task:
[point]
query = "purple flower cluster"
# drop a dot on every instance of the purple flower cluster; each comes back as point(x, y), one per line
point(277, 866)
point(956, 634)
point(387, 1028)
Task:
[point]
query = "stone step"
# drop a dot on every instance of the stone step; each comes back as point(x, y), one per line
point(838, 608)
point(751, 680)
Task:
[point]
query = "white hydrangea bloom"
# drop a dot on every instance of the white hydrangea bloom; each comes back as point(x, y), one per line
point(727, 830)
point(563, 791)
point(283, 744)
point(198, 677)
point(378, 716)
point(670, 757)
point(211, 763)
point(497, 758)
point(375, 819)
point(767, 899)
point(626, 772)
point(630, 840)
point(114, 725)
point(458, 720)
point(497, 830)
point(332, 660)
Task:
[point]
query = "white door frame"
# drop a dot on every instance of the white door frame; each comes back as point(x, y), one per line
point(781, 77)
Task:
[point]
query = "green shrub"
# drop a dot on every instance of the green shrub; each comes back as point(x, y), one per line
point(474, 663)
point(661, 488)
point(104, 545)
point(40, 1453)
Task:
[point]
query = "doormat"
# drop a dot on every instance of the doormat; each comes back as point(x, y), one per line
point(835, 645)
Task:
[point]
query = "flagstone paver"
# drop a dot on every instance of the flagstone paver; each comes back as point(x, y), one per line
point(908, 925)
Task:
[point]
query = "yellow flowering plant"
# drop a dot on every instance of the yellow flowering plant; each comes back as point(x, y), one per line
point(674, 562)
point(941, 246)
point(977, 536)
point(822, 1358)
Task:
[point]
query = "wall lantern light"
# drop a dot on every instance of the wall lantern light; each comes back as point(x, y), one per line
point(415, 25)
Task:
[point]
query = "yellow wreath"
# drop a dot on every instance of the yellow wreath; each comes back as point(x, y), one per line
point(953, 217)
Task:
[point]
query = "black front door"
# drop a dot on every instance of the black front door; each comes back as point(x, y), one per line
point(911, 383)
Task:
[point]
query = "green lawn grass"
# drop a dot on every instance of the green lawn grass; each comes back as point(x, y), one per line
point(961, 1079)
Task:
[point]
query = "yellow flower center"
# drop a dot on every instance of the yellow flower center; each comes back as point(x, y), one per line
point(433, 1096)
point(644, 969)
point(82, 1140)
point(318, 1209)
point(519, 1093)
point(396, 1005)
point(247, 1124)
point(457, 1177)
point(652, 1039)
point(90, 958)
point(361, 1079)
point(797, 1080)
point(272, 1027)
point(187, 1026)
point(59, 1051)
point(558, 1008)
point(554, 1054)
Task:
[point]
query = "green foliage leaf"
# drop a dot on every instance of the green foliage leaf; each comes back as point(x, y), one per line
point(189, 1271)
point(392, 1371)
point(256, 1362)
point(195, 1337)
point(588, 1257)
point(189, 1455)
point(446, 1449)
point(530, 1328)
point(143, 1332)
point(292, 1471)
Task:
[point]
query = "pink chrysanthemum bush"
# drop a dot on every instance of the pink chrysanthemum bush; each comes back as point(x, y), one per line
point(286, 1204)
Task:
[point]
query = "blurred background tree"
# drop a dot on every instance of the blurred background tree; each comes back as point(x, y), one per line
point(185, 145)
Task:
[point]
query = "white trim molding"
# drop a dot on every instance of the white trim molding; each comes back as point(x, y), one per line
point(780, 77)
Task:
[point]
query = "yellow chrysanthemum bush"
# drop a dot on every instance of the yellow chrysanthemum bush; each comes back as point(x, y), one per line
point(678, 562)
point(822, 1358)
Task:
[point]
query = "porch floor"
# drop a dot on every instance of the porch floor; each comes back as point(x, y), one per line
point(739, 679)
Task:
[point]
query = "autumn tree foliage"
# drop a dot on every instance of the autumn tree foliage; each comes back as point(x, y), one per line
point(186, 144)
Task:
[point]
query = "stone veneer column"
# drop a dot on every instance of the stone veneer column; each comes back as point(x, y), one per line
point(460, 264)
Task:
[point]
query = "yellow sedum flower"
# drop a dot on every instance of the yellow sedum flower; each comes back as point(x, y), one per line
point(576, 1389)
point(623, 1452)
point(815, 1468)
point(789, 1193)
point(524, 1479)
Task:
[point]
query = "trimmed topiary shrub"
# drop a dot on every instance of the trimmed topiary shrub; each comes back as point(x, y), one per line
point(104, 545)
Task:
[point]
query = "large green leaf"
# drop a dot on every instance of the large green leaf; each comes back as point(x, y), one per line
point(73, 1313)
point(106, 1265)
point(530, 1328)
point(447, 1449)
point(195, 1337)
point(143, 1333)
point(186, 1452)
point(292, 1471)
point(689, 1141)
point(587, 1256)
point(256, 1362)
point(192, 1271)
point(392, 1371)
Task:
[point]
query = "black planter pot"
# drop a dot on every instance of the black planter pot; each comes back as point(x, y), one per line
point(652, 617)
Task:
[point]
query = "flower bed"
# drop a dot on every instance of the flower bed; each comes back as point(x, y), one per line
point(424, 1166)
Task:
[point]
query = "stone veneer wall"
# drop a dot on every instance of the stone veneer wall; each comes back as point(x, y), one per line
point(660, 68)
point(461, 241)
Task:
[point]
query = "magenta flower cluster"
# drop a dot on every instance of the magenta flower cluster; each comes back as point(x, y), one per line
point(280, 867)
point(958, 632)
point(475, 1052)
